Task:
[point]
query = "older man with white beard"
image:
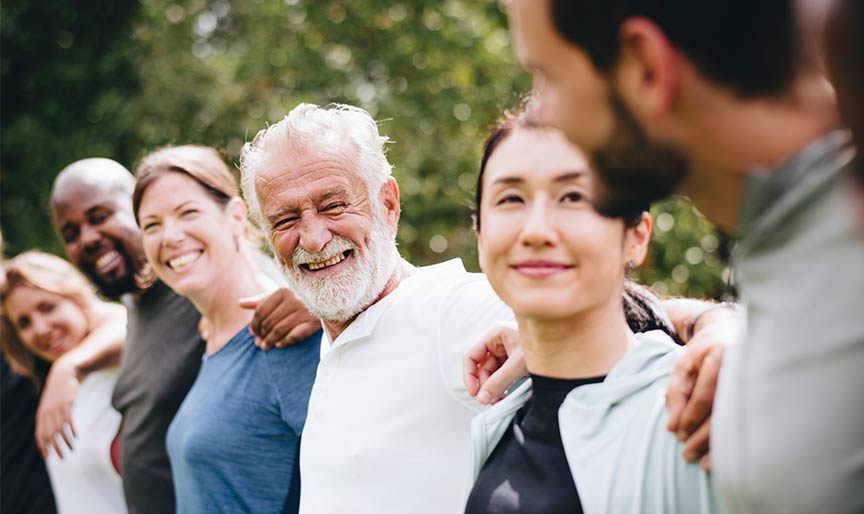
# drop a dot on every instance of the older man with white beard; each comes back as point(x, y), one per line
point(388, 428)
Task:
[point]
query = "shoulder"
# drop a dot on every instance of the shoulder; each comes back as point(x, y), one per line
point(450, 286)
point(298, 355)
point(657, 350)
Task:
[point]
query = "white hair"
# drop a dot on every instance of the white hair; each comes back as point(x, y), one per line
point(308, 127)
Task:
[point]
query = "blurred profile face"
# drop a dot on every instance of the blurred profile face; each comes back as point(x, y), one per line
point(190, 240)
point(572, 95)
point(548, 254)
point(48, 324)
point(99, 234)
point(335, 244)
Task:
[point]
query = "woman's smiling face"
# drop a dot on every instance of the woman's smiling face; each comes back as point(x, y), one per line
point(47, 323)
point(190, 240)
point(546, 251)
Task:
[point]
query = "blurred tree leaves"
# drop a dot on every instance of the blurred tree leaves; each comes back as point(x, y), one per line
point(118, 79)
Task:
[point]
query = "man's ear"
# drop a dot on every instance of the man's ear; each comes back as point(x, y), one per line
point(646, 74)
point(636, 240)
point(389, 198)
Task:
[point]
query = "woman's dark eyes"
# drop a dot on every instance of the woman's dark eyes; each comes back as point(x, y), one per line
point(573, 197)
point(46, 307)
point(508, 199)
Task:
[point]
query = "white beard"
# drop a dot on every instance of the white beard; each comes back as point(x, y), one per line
point(343, 295)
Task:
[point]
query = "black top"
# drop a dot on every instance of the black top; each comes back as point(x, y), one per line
point(161, 360)
point(26, 488)
point(528, 471)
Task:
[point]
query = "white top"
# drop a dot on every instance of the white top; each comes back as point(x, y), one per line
point(84, 481)
point(389, 422)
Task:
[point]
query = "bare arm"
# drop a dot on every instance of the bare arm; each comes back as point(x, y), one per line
point(102, 348)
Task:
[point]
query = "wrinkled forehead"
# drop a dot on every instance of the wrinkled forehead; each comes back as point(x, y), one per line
point(293, 168)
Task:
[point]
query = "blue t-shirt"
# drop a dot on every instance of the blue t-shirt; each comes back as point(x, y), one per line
point(234, 444)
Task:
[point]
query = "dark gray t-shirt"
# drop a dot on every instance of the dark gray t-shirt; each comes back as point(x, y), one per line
point(160, 363)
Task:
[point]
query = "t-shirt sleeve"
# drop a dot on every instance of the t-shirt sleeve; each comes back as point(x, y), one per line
point(291, 373)
point(468, 309)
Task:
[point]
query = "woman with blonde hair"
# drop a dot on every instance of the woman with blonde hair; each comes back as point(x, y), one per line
point(49, 309)
point(240, 424)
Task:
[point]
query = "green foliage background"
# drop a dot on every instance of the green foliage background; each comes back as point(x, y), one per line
point(117, 79)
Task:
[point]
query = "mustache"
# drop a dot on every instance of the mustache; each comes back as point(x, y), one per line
point(334, 247)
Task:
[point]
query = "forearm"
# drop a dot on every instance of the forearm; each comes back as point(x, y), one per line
point(103, 346)
point(688, 316)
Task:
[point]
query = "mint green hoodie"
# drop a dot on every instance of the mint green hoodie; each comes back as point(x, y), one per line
point(622, 458)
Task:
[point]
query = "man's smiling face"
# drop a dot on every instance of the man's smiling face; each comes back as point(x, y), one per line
point(94, 219)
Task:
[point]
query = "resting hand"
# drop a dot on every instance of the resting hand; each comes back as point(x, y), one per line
point(54, 414)
point(690, 395)
point(280, 319)
point(494, 362)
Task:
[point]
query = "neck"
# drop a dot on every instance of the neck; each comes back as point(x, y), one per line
point(403, 270)
point(586, 345)
point(733, 137)
point(220, 312)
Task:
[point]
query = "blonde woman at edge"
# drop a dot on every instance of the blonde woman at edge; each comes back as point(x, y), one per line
point(49, 309)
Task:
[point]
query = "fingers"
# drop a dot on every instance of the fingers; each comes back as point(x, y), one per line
point(705, 462)
point(477, 365)
point(303, 330)
point(65, 439)
point(698, 409)
point(288, 331)
point(252, 302)
point(263, 311)
point(496, 384)
point(470, 374)
point(696, 446)
point(482, 358)
point(43, 448)
point(281, 319)
point(54, 428)
point(680, 387)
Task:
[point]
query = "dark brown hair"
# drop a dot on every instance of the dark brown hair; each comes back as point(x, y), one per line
point(505, 127)
point(642, 308)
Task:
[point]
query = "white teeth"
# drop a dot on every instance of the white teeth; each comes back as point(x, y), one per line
point(329, 262)
point(186, 258)
point(105, 259)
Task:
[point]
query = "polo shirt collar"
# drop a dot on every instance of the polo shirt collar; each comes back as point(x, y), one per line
point(362, 326)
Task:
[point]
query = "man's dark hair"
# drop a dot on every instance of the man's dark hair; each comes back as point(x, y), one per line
point(748, 46)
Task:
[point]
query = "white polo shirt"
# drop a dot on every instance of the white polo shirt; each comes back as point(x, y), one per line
point(389, 422)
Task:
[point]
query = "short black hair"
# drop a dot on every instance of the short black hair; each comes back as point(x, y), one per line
point(751, 47)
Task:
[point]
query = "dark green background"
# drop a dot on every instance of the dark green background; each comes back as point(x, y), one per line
point(117, 79)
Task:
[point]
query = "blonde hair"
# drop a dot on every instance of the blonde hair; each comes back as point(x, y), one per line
point(202, 164)
point(48, 273)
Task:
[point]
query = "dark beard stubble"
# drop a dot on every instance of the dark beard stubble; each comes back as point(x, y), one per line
point(633, 171)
